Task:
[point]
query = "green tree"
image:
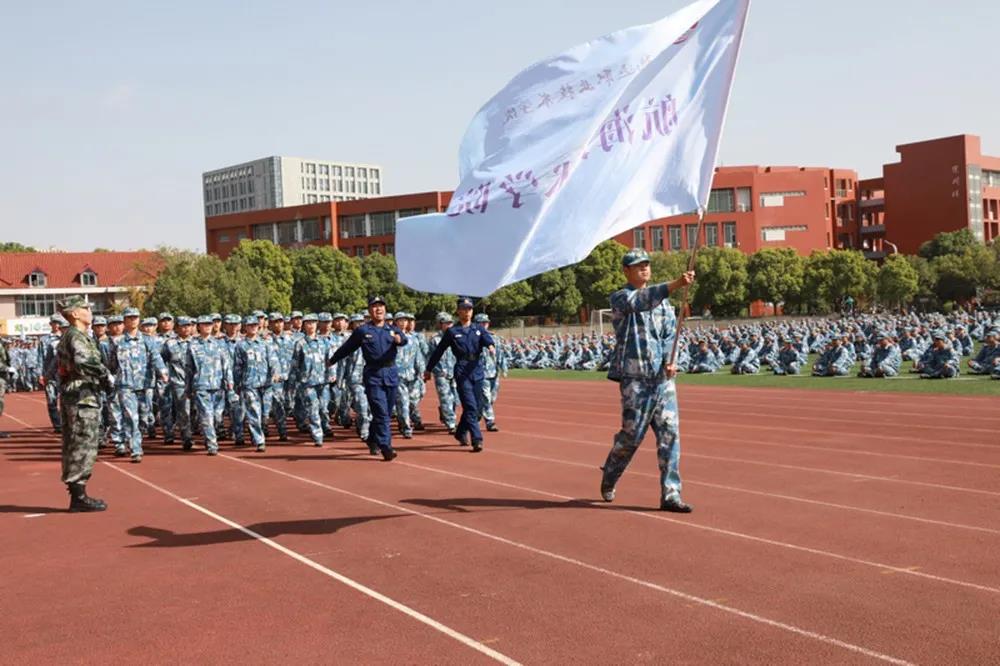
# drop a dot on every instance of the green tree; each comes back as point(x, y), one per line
point(274, 268)
point(960, 275)
point(509, 300)
point(600, 273)
point(556, 294)
point(776, 276)
point(667, 267)
point(722, 281)
point(11, 246)
point(194, 284)
point(325, 279)
point(926, 279)
point(948, 242)
point(242, 288)
point(898, 281)
point(833, 274)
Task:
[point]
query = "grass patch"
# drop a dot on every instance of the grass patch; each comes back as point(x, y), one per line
point(966, 384)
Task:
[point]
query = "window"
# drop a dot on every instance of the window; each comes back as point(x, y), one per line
point(828, 210)
point(88, 278)
point(243, 188)
point(362, 172)
point(773, 199)
point(712, 235)
point(218, 208)
point(376, 188)
point(309, 230)
point(249, 187)
point(324, 184)
point(410, 212)
point(744, 200)
point(991, 178)
point(312, 183)
point(777, 234)
point(374, 174)
point(287, 232)
point(639, 238)
point(225, 207)
point(656, 239)
point(674, 234)
point(383, 223)
point(311, 198)
point(349, 172)
point(692, 235)
point(352, 226)
point(208, 211)
point(338, 185)
point(40, 305)
point(337, 171)
point(359, 251)
point(241, 236)
point(323, 198)
point(263, 232)
point(310, 168)
point(373, 249)
point(729, 234)
point(721, 201)
point(36, 279)
point(223, 238)
point(389, 249)
point(252, 202)
point(364, 187)
point(327, 230)
point(208, 194)
point(324, 170)
point(350, 186)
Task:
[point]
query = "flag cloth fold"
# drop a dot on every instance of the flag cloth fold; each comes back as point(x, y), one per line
point(581, 147)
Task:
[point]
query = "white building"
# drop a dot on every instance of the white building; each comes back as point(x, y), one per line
point(279, 181)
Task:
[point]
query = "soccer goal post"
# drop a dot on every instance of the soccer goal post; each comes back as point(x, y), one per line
point(600, 320)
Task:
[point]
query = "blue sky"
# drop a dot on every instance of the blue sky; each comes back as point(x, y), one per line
point(111, 110)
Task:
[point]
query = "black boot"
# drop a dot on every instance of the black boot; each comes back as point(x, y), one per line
point(79, 502)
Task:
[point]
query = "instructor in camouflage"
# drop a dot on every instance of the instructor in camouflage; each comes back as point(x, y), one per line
point(82, 377)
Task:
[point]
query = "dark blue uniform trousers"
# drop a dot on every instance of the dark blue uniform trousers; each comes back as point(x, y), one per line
point(381, 400)
point(468, 393)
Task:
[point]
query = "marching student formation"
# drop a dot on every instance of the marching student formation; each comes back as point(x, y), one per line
point(940, 347)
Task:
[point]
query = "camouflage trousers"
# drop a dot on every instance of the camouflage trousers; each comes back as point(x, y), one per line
point(3, 390)
point(785, 368)
point(204, 403)
point(164, 396)
point(445, 387)
point(180, 414)
point(648, 403)
point(81, 435)
point(52, 402)
point(147, 417)
point(129, 401)
point(490, 390)
point(402, 407)
point(362, 411)
point(417, 393)
point(274, 406)
point(310, 396)
point(253, 412)
point(113, 419)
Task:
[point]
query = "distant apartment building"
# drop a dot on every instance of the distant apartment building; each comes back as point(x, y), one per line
point(755, 207)
point(281, 181)
point(939, 185)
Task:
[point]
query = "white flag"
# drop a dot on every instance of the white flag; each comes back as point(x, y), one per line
point(579, 148)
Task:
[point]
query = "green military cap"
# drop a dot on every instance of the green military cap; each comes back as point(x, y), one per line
point(70, 303)
point(149, 321)
point(339, 315)
point(232, 319)
point(357, 317)
point(251, 320)
point(276, 316)
point(635, 256)
point(324, 316)
point(939, 335)
point(206, 319)
point(54, 319)
point(215, 316)
point(311, 316)
point(296, 313)
point(166, 316)
point(259, 313)
point(99, 321)
point(402, 315)
point(131, 312)
point(481, 318)
point(443, 317)
point(115, 319)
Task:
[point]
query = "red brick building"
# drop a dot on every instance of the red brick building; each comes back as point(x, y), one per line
point(356, 227)
point(938, 185)
point(754, 207)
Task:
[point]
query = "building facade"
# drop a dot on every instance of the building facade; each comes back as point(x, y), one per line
point(939, 185)
point(754, 207)
point(280, 181)
point(31, 283)
point(359, 227)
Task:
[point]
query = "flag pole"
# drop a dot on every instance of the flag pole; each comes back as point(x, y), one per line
point(681, 316)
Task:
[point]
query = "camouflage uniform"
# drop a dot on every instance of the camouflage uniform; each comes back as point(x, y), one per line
point(444, 378)
point(48, 366)
point(309, 369)
point(83, 377)
point(644, 324)
point(406, 371)
point(174, 352)
point(255, 366)
point(208, 374)
point(493, 364)
point(133, 361)
point(4, 367)
point(275, 402)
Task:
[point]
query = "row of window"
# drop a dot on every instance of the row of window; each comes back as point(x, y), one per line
point(228, 191)
point(374, 224)
point(340, 185)
point(44, 305)
point(324, 198)
point(245, 203)
point(338, 171)
point(991, 178)
point(690, 231)
point(728, 200)
point(294, 231)
point(232, 174)
point(360, 251)
point(38, 279)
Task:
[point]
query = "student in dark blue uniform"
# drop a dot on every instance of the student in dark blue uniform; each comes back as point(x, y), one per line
point(468, 341)
point(378, 341)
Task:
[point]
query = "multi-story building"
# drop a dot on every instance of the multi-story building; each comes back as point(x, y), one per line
point(31, 283)
point(356, 227)
point(938, 185)
point(279, 181)
point(753, 207)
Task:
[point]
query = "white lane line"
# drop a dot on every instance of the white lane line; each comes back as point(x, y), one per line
point(584, 565)
point(33, 515)
point(717, 530)
point(392, 603)
point(790, 498)
point(819, 470)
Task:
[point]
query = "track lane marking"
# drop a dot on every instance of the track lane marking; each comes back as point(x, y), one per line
point(363, 589)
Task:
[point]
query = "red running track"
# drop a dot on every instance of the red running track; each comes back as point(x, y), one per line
point(829, 528)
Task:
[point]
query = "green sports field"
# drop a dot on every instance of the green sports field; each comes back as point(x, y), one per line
point(905, 383)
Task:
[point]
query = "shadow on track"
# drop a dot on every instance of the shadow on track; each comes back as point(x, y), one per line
point(470, 504)
point(12, 508)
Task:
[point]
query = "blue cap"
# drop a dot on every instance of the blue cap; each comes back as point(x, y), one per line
point(481, 318)
point(939, 335)
point(100, 321)
point(131, 312)
point(216, 316)
point(325, 316)
point(635, 256)
point(183, 321)
point(149, 321)
point(310, 317)
point(357, 317)
point(339, 315)
point(464, 302)
point(372, 300)
point(115, 319)
point(205, 319)
point(403, 315)
point(251, 319)
point(276, 316)
point(166, 316)
point(259, 313)
point(232, 319)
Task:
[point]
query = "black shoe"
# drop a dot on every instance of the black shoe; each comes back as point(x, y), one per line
point(213, 452)
point(477, 445)
point(57, 431)
point(328, 433)
point(239, 444)
point(462, 439)
point(407, 435)
point(188, 445)
point(318, 445)
point(79, 502)
point(372, 447)
point(120, 453)
point(675, 505)
point(4, 435)
point(168, 441)
point(283, 438)
point(388, 455)
point(151, 434)
point(137, 458)
point(492, 427)
point(261, 448)
point(607, 492)
point(419, 426)
point(451, 430)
